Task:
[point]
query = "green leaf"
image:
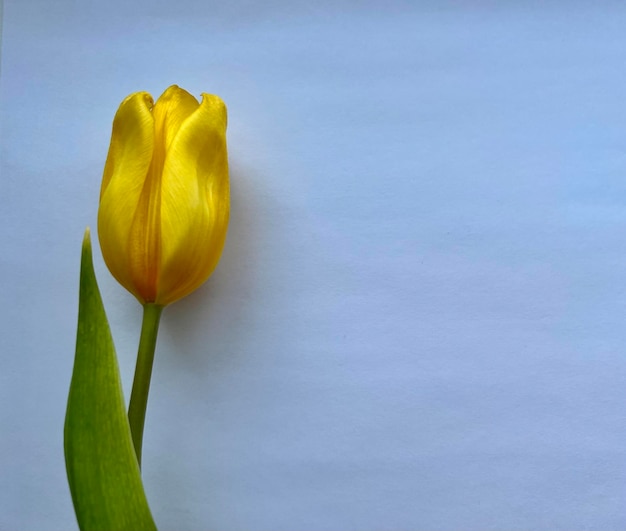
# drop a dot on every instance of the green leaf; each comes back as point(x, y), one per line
point(102, 468)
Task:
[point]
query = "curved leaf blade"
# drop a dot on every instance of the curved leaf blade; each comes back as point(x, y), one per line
point(102, 469)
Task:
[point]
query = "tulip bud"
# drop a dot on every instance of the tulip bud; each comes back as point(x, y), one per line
point(164, 201)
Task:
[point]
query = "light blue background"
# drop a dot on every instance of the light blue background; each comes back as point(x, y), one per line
point(419, 320)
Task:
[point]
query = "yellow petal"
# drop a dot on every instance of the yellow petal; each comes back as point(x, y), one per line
point(125, 171)
point(172, 108)
point(194, 201)
point(169, 112)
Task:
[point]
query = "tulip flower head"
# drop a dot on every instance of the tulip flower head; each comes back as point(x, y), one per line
point(164, 201)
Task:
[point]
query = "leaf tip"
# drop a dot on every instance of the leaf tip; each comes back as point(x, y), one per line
point(87, 242)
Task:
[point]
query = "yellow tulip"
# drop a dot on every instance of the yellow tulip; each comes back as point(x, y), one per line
point(164, 201)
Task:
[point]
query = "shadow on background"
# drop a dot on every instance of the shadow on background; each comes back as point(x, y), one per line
point(212, 315)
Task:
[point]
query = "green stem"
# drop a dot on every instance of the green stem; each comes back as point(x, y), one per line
point(143, 372)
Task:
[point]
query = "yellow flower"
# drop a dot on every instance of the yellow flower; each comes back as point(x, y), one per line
point(164, 202)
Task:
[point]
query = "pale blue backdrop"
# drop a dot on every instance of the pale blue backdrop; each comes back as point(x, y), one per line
point(419, 321)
